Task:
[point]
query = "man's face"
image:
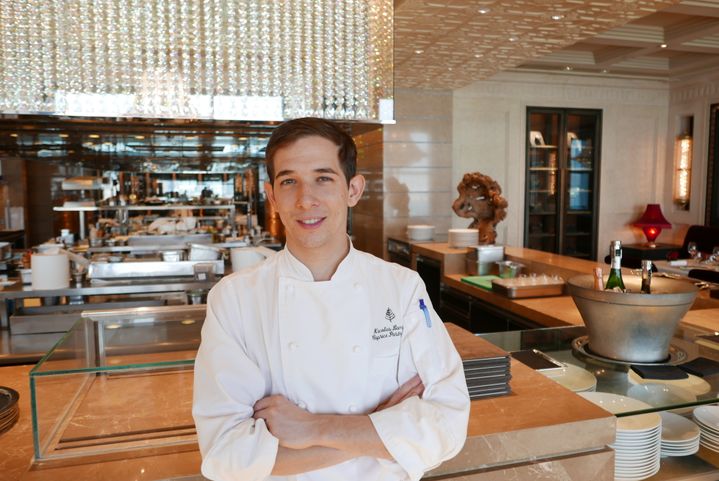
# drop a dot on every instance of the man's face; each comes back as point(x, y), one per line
point(311, 195)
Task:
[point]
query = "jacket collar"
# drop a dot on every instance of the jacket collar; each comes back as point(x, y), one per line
point(292, 267)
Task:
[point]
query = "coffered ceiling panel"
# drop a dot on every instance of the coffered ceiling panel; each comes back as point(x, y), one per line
point(451, 43)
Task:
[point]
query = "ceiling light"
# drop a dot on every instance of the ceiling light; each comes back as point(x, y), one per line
point(557, 16)
point(664, 45)
point(418, 52)
point(478, 55)
point(13, 135)
point(64, 136)
point(94, 136)
point(140, 137)
point(513, 39)
point(605, 70)
point(484, 10)
point(46, 77)
point(568, 68)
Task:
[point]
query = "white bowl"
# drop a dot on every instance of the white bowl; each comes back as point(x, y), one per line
point(420, 232)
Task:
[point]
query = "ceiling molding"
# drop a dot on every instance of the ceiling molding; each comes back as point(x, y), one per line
point(450, 44)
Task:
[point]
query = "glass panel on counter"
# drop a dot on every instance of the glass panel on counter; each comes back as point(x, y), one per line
point(561, 180)
point(100, 389)
point(585, 371)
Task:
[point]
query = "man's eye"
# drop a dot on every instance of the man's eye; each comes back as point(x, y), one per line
point(287, 181)
point(324, 179)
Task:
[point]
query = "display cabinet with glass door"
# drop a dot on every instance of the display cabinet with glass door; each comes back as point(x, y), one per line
point(562, 181)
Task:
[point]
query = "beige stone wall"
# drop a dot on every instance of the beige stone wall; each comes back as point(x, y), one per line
point(418, 162)
point(489, 128)
point(691, 97)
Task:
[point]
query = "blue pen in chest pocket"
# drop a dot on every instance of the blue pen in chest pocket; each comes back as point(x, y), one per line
point(425, 311)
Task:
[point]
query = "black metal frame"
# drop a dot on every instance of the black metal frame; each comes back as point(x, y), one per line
point(562, 163)
point(712, 194)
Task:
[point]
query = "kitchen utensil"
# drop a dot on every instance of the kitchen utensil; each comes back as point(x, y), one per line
point(509, 268)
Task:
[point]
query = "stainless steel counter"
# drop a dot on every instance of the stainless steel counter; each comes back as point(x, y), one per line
point(27, 333)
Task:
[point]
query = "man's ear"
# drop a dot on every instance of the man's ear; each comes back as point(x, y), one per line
point(356, 188)
point(271, 195)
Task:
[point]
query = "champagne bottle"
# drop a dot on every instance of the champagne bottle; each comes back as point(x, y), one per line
point(646, 277)
point(615, 273)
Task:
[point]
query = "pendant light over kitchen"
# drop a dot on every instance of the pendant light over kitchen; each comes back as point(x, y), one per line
point(216, 59)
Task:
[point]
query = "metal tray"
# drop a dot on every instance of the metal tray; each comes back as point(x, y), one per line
point(121, 270)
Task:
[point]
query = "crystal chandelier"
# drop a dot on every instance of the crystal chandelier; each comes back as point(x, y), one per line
point(221, 59)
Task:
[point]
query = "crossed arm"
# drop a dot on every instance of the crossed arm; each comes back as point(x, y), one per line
point(314, 441)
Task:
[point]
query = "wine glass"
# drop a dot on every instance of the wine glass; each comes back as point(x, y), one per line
point(715, 255)
point(692, 250)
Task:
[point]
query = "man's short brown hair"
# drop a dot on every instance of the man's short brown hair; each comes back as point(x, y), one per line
point(293, 130)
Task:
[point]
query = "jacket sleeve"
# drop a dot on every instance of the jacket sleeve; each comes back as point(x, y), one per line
point(227, 384)
point(421, 433)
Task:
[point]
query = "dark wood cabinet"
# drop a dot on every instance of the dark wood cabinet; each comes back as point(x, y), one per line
point(562, 180)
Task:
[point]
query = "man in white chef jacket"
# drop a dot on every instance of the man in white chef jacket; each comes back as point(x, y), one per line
point(324, 362)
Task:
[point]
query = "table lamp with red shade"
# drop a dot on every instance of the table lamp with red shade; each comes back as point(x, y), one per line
point(652, 222)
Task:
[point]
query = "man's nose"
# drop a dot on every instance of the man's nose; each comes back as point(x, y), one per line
point(306, 197)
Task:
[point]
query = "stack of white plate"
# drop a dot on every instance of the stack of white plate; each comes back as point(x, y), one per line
point(463, 237)
point(573, 378)
point(707, 417)
point(680, 436)
point(637, 447)
point(420, 232)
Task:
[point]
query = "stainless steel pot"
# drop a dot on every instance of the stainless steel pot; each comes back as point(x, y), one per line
point(632, 326)
point(509, 269)
point(480, 259)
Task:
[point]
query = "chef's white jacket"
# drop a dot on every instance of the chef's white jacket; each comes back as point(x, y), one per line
point(340, 346)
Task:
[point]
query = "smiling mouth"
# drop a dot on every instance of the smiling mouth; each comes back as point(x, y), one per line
point(313, 222)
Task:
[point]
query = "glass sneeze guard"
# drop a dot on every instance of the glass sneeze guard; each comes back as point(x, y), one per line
point(99, 390)
point(617, 378)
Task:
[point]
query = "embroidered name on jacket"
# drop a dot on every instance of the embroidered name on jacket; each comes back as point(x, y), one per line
point(387, 332)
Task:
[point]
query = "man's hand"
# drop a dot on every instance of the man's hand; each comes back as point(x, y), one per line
point(286, 421)
point(413, 387)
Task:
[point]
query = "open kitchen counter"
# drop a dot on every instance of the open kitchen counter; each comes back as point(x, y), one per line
point(553, 311)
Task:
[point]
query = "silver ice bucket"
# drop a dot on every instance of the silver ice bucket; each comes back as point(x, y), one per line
point(632, 326)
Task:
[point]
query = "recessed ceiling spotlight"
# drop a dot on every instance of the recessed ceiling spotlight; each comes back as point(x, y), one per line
point(450, 68)
point(557, 16)
point(418, 51)
point(478, 55)
point(13, 135)
point(664, 45)
point(605, 70)
point(94, 136)
point(140, 137)
point(64, 136)
point(568, 68)
point(484, 10)
point(513, 39)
